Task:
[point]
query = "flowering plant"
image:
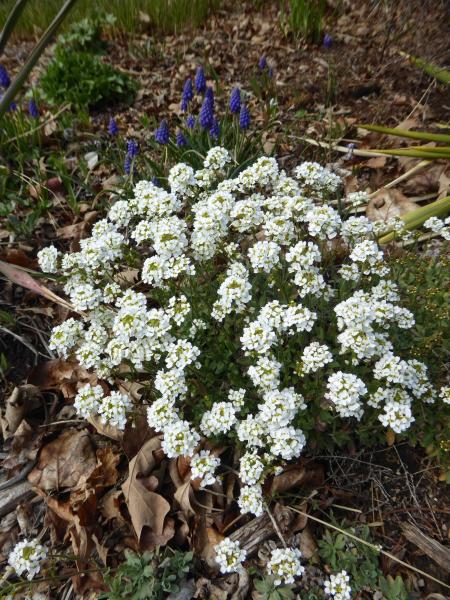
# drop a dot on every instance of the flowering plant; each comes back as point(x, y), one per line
point(256, 314)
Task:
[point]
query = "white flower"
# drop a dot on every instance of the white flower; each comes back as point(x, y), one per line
point(344, 391)
point(113, 409)
point(252, 431)
point(203, 466)
point(444, 394)
point(181, 178)
point(284, 565)
point(27, 556)
point(314, 357)
point(216, 158)
point(323, 222)
point(280, 407)
point(251, 468)
point(229, 556)
point(85, 297)
point(220, 419)
point(264, 256)
point(180, 354)
point(65, 336)
point(180, 439)
point(47, 259)
point(265, 374)
point(287, 442)
point(161, 413)
point(338, 586)
point(251, 500)
point(316, 178)
point(88, 399)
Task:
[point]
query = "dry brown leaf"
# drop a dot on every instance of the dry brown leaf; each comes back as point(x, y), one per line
point(53, 373)
point(387, 204)
point(307, 543)
point(22, 400)
point(76, 231)
point(25, 446)
point(110, 506)
point(146, 507)
point(65, 463)
point(107, 430)
point(377, 162)
point(290, 478)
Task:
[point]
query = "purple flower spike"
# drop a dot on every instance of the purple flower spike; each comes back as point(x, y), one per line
point(327, 41)
point(244, 118)
point(162, 133)
point(155, 181)
point(200, 80)
point(190, 122)
point(113, 129)
point(180, 139)
point(209, 94)
point(12, 107)
point(188, 94)
point(270, 72)
point(4, 77)
point(127, 164)
point(215, 129)
point(262, 63)
point(33, 109)
point(206, 114)
point(235, 101)
point(132, 148)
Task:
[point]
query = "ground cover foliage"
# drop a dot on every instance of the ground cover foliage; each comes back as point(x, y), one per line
point(238, 391)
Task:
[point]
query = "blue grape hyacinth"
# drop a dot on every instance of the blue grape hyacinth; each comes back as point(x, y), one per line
point(209, 94)
point(327, 41)
point(132, 148)
point(180, 139)
point(127, 164)
point(244, 117)
point(33, 109)
point(113, 129)
point(235, 101)
point(200, 80)
point(215, 129)
point(190, 122)
point(206, 117)
point(188, 94)
point(162, 134)
point(262, 63)
point(4, 77)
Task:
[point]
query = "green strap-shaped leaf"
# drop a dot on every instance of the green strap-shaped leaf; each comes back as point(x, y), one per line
point(21, 77)
point(11, 21)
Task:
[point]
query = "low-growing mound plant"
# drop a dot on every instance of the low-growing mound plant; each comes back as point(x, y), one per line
point(258, 317)
point(84, 80)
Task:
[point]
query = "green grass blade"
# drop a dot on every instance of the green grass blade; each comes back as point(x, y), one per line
point(21, 77)
point(414, 153)
point(10, 23)
point(416, 218)
point(439, 73)
point(415, 135)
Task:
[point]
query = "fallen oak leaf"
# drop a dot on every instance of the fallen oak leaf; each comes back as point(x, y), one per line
point(64, 463)
point(146, 507)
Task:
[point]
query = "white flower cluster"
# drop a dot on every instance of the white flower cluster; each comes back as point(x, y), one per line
point(440, 226)
point(338, 586)
point(223, 297)
point(284, 565)
point(26, 556)
point(229, 556)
